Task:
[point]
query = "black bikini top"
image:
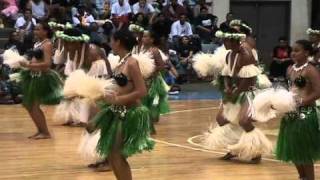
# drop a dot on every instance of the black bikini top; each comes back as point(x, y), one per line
point(35, 53)
point(121, 79)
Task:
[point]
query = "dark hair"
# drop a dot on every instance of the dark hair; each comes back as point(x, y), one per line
point(73, 32)
point(156, 38)
point(47, 28)
point(126, 38)
point(229, 13)
point(306, 45)
point(203, 8)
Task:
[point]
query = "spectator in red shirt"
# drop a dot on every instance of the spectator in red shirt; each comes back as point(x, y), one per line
point(281, 59)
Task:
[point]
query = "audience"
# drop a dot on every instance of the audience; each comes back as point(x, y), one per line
point(121, 12)
point(181, 28)
point(173, 20)
point(225, 25)
point(280, 59)
point(172, 10)
point(206, 25)
point(39, 9)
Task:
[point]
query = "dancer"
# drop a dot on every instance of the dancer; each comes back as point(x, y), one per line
point(40, 84)
point(156, 100)
point(124, 125)
point(299, 135)
point(73, 110)
point(235, 131)
point(249, 42)
point(138, 33)
point(314, 36)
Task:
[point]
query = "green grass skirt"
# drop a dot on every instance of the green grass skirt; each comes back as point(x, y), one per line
point(42, 87)
point(299, 137)
point(157, 99)
point(134, 126)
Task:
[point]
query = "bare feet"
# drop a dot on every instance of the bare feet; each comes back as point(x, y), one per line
point(36, 134)
point(95, 165)
point(103, 167)
point(41, 136)
point(256, 160)
point(228, 157)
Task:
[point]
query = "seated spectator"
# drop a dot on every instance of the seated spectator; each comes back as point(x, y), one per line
point(95, 36)
point(11, 8)
point(206, 25)
point(143, 7)
point(189, 11)
point(121, 12)
point(99, 5)
point(166, 2)
point(172, 10)
point(281, 59)
point(197, 8)
point(107, 11)
point(15, 43)
point(39, 9)
point(84, 18)
point(59, 14)
point(181, 28)
point(225, 25)
point(141, 20)
point(185, 53)
point(25, 24)
point(108, 29)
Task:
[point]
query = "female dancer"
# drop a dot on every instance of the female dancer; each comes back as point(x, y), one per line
point(299, 135)
point(156, 100)
point(40, 84)
point(124, 125)
point(235, 131)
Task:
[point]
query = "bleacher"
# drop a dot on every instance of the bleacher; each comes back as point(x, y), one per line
point(4, 35)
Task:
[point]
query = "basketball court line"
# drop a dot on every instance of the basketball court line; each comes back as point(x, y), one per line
point(202, 149)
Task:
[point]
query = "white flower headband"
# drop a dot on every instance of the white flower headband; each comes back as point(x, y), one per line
point(313, 31)
point(236, 36)
point(135, 28)
point(82, 38)
point(57, 25)
point(237, 22)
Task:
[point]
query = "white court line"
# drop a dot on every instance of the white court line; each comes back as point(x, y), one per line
point(190, 110)
point(202, 149)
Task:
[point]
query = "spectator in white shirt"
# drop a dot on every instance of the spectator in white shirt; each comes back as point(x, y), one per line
point(143, 7)
point(39, 9)
point(121, 8)
point(26, 22)
point(120, 12)
point(181, 28)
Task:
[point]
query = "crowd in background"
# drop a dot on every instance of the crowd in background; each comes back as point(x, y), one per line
point(183, 26)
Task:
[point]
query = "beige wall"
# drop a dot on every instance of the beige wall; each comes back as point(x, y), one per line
point(220, 9)
point(300, 19)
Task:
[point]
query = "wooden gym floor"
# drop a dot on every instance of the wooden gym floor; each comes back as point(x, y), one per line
point(174, 158)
